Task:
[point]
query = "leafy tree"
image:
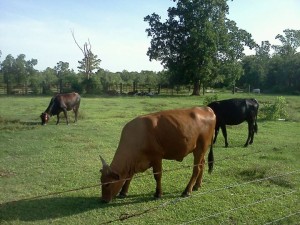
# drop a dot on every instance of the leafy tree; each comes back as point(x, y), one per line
point(89, 64)
point(24, 70)
point(253, 72)
point(256, 66)
point(231, 52)
point(284, 65)
point(290, 42)
point(49, 79)
point(8, 70)
point(196, 41)
point(263, 51)
point(62, 70)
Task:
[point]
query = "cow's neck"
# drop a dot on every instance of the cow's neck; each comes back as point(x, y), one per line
point(122, 166)
point(50, 107)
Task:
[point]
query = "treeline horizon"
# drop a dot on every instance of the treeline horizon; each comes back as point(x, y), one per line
point(270, 73)
point(277, 72)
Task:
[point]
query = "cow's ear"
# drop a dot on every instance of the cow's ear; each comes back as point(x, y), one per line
point(105, 170)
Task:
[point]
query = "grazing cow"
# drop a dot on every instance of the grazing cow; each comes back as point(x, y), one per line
point(61, 103)
point(148, 139)
point(234, 112)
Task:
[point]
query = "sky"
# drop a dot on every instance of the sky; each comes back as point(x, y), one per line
point(41, 29)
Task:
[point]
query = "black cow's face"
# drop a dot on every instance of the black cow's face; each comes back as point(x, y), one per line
point(45, 118)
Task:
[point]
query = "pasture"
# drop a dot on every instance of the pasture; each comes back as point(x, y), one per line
point(50, 174)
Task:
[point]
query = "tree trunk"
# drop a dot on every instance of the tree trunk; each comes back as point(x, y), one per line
point(196, 88)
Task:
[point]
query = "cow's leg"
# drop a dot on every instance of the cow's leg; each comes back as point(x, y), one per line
point(157, 172)
point(254, 129)
point(57, 121)
point(66, 115)
point(124, 190)
point(75, 109)
point(216, 132)
point(199, 178)
point(196, 172)
point(224, 132)
point(250, 133)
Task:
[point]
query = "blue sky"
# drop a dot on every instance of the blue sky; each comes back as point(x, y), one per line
point(41, 29)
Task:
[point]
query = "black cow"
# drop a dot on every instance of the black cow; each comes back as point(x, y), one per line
point(234, 112)
point(61, 103)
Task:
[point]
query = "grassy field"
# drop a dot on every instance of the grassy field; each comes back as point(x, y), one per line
point(50, 174)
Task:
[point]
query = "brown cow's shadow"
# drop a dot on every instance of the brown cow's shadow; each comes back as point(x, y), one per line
point(58, 207)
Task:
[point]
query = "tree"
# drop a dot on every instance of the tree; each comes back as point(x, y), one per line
point(290, 42)
point(256, 66)
point(62, 70)
point(92, 65)
point(24, 70)
point(285, 62)
point(231, 52)
point(49, 79)
point(8, 70)
point(196, 41)
point(88, 64)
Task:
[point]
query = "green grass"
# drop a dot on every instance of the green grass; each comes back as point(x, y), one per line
point(253, 185)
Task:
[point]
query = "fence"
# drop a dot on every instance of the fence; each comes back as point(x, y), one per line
point(118, 89)
point(176, 200)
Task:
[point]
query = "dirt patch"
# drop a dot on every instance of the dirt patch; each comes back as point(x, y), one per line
point(6, 173)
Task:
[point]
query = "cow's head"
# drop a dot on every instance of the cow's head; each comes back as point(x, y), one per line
point(111, 182)
point(45, 118)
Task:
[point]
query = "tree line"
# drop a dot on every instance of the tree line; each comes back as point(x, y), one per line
point(197, 45)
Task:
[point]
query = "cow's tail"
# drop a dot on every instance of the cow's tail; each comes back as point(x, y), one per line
point(256, 112)
point(211, 158)
point(255, 126)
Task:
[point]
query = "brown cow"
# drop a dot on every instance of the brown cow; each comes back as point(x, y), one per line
point(146, 140)
point(61, 103)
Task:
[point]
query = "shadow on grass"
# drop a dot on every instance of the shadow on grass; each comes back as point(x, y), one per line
point(58, 207)
point(16, 124)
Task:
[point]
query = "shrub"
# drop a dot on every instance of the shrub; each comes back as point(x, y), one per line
point(209, 99)
point(274, 111)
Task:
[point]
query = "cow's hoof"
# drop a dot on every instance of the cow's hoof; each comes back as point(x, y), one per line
point(185, 194)
point(122, 195)
point(157, 195)
point(196, 188)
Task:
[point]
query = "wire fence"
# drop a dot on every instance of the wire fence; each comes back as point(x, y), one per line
point(100, 184)
point(237, 208)
point(177, 200)
point(180, 199)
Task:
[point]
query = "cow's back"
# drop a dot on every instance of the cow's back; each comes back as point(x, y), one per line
point(168, 134)
point(68, 100)
point(230, 111)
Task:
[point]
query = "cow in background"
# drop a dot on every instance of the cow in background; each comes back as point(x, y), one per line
point(234, 112)
point(147, 140)
point(61, 103)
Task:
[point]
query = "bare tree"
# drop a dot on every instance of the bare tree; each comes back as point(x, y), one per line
point(87, 53)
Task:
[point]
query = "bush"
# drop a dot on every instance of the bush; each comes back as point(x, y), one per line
point(274, 111)
point(209, 99)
